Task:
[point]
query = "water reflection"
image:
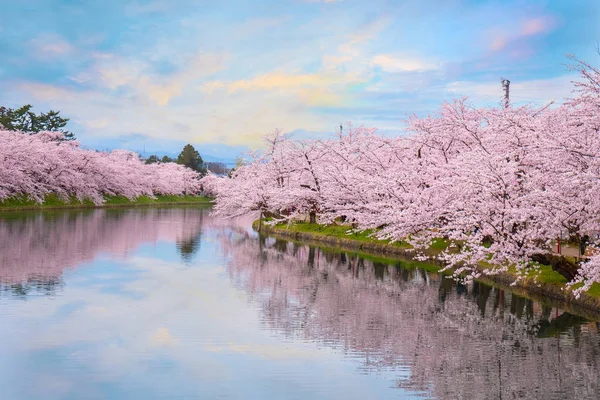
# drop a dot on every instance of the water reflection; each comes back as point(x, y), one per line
point(163, 303)
point(38, 247)
point(458, 341)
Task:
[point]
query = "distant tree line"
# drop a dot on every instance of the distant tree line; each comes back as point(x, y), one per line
point(24, 120)
point(35, 166)
point(154, 159)
point(190, 157)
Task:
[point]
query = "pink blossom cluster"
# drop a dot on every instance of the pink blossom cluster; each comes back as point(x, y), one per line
point(501, 184)
point(34, 166)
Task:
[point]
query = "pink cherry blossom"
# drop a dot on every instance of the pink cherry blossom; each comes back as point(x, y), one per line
point(34, 166)
point(501, 184)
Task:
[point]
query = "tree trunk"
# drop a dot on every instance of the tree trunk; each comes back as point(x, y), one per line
point(558, 264)
point(312, 217)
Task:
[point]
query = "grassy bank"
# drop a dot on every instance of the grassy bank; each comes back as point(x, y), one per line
point(54, 202)
point(550, 284)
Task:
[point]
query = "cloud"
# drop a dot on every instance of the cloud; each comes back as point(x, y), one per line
point(49, 46)
point(239, 118)
point(323, 97)
point(364, 35)
point(44, 92)
point(96, 123)
point(504, 37)
point(333, 61)
point(157, 95)
point(266, 351)
point(163, 89)
point(353, 46)
point(498, 43)
point(283, 81)
point(205, 76)
point(535, 26)
point(114, 72)
point(162, 338)
point(390, 63)
point(330, 86)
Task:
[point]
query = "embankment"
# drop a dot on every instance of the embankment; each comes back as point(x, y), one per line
point(53, 202)
point(549, 289)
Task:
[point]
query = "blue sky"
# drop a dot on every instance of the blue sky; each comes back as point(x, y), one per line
point(156, 74)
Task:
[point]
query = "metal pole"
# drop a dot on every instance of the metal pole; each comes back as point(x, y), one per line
point(506, 86)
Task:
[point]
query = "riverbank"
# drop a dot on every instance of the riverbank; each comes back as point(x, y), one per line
point(550, 285)
point(52, 202)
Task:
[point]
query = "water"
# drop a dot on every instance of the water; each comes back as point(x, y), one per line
point(172, 303)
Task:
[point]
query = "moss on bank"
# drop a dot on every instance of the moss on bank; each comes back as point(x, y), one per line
point(550, 285)
point(54, 202)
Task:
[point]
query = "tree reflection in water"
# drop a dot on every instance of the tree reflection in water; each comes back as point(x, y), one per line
point(445, 341)
point(456, 341)
point(38, 247)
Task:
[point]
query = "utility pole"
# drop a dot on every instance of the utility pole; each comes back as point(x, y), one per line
point(506, 86)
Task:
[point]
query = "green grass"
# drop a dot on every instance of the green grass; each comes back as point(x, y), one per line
point(345, 232)
point(549, 276)
point(439, 244)
point(592, 291)
point(53, 201)
point(339, 231)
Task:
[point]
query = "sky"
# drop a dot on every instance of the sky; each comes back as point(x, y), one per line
point(153, 75)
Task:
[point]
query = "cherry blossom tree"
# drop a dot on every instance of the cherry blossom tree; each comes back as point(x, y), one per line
point(34, 166)
point(501, 185)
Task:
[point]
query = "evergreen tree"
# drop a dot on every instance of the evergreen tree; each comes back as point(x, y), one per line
point(24, 120)
point(152, 159)
point(190, 157)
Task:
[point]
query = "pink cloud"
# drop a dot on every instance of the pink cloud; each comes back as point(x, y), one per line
point(498, 43)
point(50, 46)
point(506, 37)
point(536, 26)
